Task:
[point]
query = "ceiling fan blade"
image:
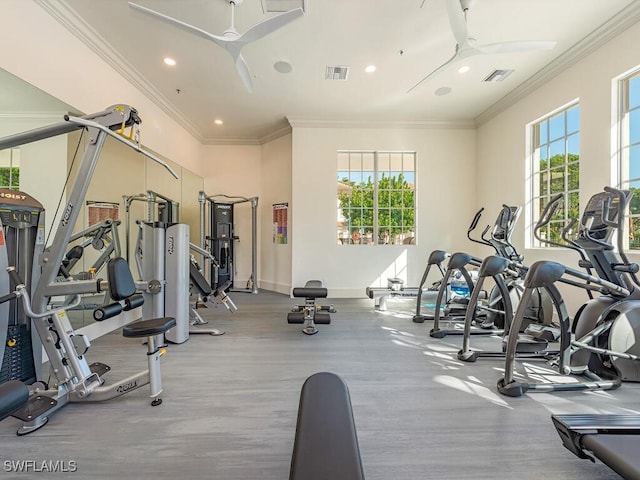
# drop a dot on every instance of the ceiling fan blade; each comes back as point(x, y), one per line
point(458, 22)
point(515, 47)
point(269, 25)
point(243, 71)
point(461, 53)
point(436, 72)
point(222, 41)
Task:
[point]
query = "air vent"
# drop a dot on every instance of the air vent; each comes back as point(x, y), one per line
point(272, 6)
point(498, 75)
point(336, 73)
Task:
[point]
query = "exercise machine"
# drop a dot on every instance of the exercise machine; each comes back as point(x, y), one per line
point(499, 240)
point(598, 350)
point(222, 238)
point(22, 231)
point(77, 380)
point(310, 313)
point(326, 441)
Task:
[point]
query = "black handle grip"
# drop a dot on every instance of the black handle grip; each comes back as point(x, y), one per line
point(13, 275)
point(8, 297)
point(107, 311)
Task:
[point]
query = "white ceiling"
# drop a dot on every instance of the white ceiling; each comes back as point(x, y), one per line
point(352, 33)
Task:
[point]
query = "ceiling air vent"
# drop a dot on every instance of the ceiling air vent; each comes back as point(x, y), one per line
point(336, 73)
point(271, 6)
point(498, 75)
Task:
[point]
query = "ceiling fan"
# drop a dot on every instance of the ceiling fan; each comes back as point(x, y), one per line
point(466, 46)
point(231, 40)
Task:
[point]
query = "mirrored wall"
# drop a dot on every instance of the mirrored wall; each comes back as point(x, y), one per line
point(125, 189)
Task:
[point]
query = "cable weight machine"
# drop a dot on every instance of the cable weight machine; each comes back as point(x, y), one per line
point(221, 239)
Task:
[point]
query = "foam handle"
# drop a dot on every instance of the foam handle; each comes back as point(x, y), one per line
point(133, 302)
point(107, 311)
point(13, 275)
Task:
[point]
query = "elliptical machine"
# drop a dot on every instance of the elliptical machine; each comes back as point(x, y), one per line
point(603, 352)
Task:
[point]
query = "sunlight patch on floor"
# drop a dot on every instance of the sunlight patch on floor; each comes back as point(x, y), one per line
point(472, 388)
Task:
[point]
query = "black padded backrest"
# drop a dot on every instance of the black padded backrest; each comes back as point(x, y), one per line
point(121, 284)
point(326, 443)
point(198, 280)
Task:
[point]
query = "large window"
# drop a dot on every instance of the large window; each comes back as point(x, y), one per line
point(629, 143)
point(555, 154)
point(10, 168)
point(376, 197)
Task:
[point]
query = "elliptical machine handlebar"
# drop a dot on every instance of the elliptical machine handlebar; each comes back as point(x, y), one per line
point(474, 225)
point(624, 197)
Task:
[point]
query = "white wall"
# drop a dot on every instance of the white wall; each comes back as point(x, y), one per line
point(275, 266)
point(42, 52)
point(501, 141)
point(446, 202)
point(48, 155)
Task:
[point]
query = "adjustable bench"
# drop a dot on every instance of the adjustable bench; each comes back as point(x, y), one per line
point(326, 443)
point(310, 313)
point(13, 395)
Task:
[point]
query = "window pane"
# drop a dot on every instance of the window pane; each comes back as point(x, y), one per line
point(556, 127)
point(544, 138)
point(574, 206)
point(573, 145)
point(634, 162)
point(573, 177)
point(634, 92)
point(355, 162)
point(383, 162)
point(396, 161)
point(573, 119)
point(544, 186)
point(634, 126)
point(408, 162)
point(634, 233)
point(557, 180)
point(368, 162)
point(557, 151)
point(343, 161)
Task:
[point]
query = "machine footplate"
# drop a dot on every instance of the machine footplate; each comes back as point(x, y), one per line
point(99, 368)
point(36, 406)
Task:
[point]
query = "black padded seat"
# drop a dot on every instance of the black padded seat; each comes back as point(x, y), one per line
point(619, 451)
point(13, 395)
point(326, 443)
point(146, 328)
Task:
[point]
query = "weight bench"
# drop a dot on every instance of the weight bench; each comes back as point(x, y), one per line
point(326, 443)
point(205, 293)
point(309, 314)
point(13, 395)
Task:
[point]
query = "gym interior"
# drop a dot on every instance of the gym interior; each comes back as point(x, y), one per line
point(276, 340)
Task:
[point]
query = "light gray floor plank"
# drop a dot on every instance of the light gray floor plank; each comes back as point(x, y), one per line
point(230, 405)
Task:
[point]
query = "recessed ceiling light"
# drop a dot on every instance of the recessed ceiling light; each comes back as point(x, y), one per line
point(170, 61)
point(442, 91)
point(217, 121)
point(370, 69)
point(282, 67)
point(464, 69)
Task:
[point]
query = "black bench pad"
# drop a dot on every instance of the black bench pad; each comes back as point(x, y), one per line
point(13, 394)
point(307, 292)
point(146, 328)
point(619, 451)
point(326, 443)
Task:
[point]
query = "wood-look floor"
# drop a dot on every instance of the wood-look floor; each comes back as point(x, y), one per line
point(230, 405)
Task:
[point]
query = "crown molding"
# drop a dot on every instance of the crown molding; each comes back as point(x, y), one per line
point(300, 122)
point(69, 19)
point(617, 24)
